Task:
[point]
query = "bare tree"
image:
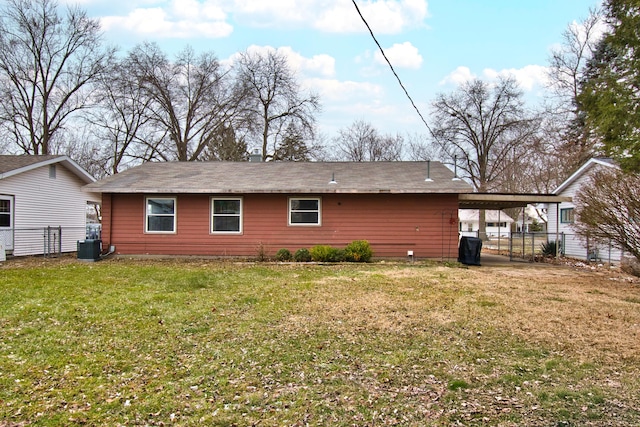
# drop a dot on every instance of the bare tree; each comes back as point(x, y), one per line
point(190, 100)
point(48, 62)
point(84, 149)
point(361, 142)
point(480, 125)
point(121, 121)
point(568, 61)
point(275, 99)
point(485, 131)
point(569, 143)
point(421, 148)
point(608, 209)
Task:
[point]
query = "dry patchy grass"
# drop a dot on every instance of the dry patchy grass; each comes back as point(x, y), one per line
point(128, 342)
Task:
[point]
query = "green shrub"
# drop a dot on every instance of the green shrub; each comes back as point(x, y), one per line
point(358, 251)
point(548, 248)
point(337, 255)
point(284, 255)
point(326, 253)
point(302, 255)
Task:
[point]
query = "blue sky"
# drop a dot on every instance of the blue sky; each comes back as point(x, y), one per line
point(434, 45)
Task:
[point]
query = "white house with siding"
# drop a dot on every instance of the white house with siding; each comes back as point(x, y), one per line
point(563, 216)
point(43, 208)
point(497, 223)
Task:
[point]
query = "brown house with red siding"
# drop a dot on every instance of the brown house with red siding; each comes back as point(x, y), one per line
point(232, 208)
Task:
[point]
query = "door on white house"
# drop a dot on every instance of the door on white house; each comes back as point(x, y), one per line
point(6, 222)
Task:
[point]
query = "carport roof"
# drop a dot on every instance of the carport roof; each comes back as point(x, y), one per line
point(500, 201)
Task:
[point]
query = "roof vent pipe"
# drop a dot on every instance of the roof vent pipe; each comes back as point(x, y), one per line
point(455, 169)
point(428, 172)
point(333, 178)
point(255, 156)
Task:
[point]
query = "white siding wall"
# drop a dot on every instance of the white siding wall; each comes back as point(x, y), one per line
point(41, 201)
point(574, 246)
point(491, 231)
point(470, 223)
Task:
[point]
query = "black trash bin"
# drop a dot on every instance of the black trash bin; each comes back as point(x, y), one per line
point(469, 250)
point(89, 250)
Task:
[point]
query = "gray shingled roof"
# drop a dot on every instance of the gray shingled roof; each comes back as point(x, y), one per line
point(10, 163)
point(13, 165)
point(282, 177)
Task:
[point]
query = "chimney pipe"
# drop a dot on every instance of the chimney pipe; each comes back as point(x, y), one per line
point(428, 172)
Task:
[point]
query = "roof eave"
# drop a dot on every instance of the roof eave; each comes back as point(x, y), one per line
point(271, 191)
point(581, 171)
point(497, 201)
point(70, 164)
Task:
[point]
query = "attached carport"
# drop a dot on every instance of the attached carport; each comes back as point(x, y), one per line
point(500, 201)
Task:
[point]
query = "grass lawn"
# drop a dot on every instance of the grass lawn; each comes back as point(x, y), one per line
point(126, 342)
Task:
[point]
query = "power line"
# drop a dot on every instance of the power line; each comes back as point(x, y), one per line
point(392, 69)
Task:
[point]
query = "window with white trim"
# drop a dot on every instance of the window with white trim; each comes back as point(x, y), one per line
point(566, 216)
point(160, 215)
point(226, 215)
point(5, 213)
point(304, 211)
point(497, 224)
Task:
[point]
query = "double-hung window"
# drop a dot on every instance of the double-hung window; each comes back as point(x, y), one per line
point(160, 215)
point(5, 213)
point(304, 211)
point(566, 216)
point(226, 215)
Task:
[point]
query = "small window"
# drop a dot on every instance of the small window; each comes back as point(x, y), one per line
point(497, 224)
point(161, 215)
point(5, 213)
point(566, 216)
point(226, 215)
point(304, 211)
point(52, 171)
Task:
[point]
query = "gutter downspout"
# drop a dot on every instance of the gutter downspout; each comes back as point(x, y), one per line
point(109, 251)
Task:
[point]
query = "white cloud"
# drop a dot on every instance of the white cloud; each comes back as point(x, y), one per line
point(458, 76)
point(334, 16)
point(403, 55)
point(209, 18)
point(345, 101)
point(273, 13)
point(338, 91)
point(529, 77)
point(383, 16)
point(595, 33)
point(322, 65)
point(181, 19)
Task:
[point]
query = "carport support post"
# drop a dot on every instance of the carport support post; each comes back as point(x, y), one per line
point(557, 230)
point(499, 212)
point(524, 252)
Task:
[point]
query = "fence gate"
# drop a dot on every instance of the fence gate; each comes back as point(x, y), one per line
point(52, 238)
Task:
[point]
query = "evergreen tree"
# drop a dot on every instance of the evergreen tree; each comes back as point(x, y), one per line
point(610, 91)
point(292, 147)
